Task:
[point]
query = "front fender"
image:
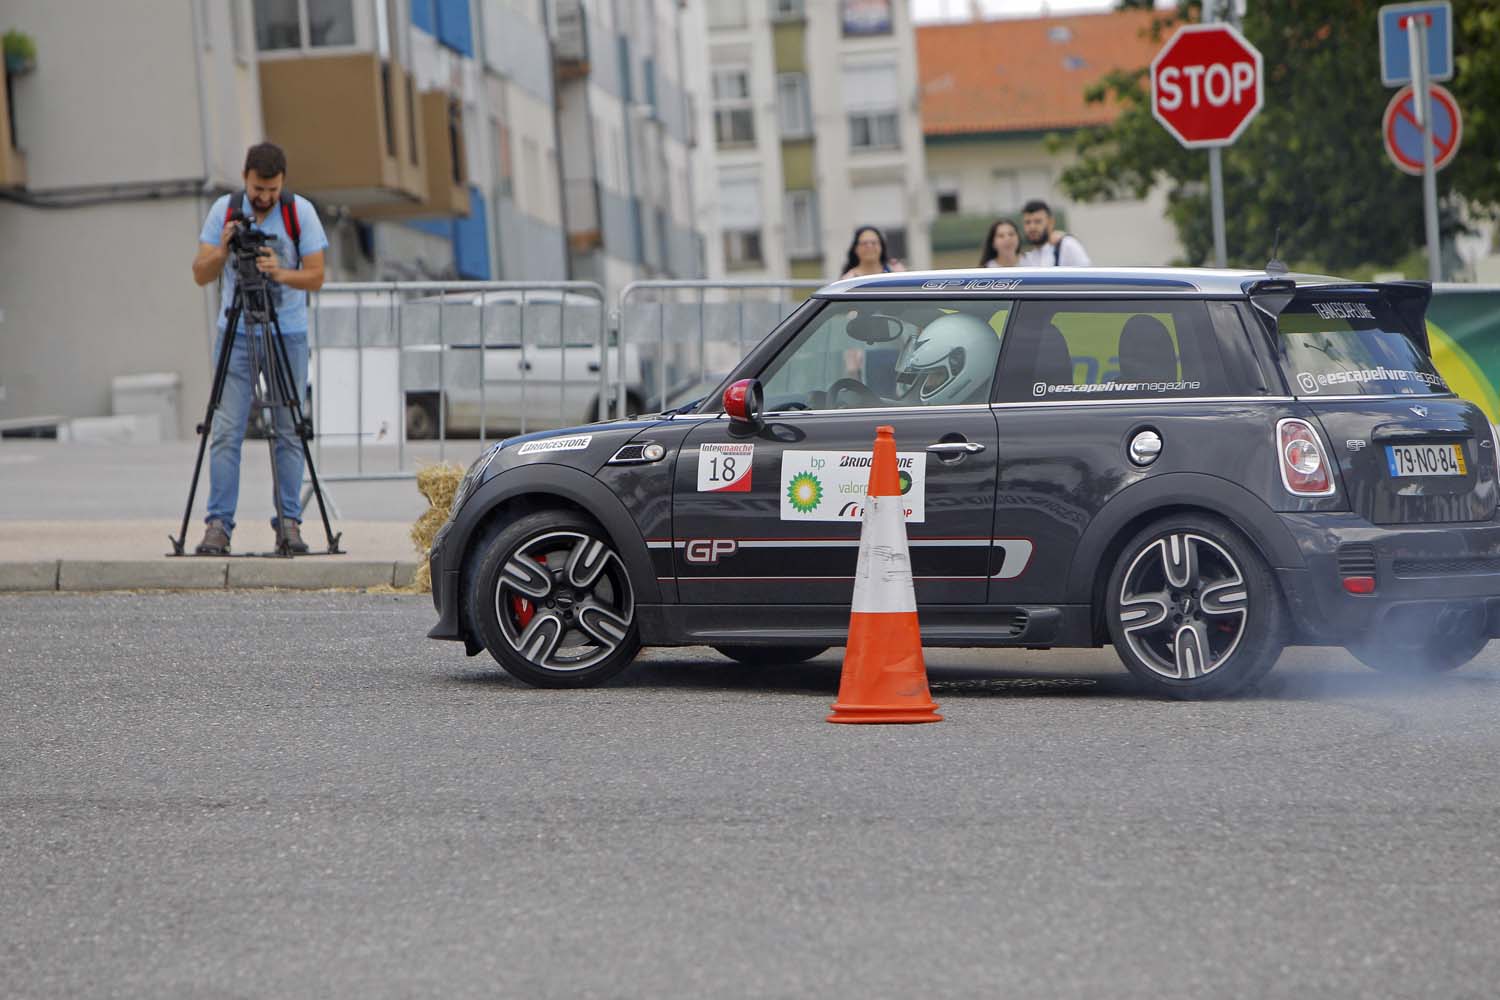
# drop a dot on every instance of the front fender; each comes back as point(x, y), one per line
point(1244, 509)
point(541, 479)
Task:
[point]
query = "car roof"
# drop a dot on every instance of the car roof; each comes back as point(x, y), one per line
point(1093, 280)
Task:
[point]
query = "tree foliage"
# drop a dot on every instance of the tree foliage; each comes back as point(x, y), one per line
point(1312, 164)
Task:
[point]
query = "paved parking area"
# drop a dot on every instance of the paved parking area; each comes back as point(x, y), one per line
point(270, 794)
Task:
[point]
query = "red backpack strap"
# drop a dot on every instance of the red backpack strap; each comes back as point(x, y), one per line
point(229, 208)
point(290, 223)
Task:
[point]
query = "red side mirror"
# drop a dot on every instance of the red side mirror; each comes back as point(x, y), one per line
point(743, 401)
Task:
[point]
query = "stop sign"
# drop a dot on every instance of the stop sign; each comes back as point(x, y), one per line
point(1206, 84)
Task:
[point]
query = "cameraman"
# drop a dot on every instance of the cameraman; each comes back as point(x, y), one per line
point(295, 268)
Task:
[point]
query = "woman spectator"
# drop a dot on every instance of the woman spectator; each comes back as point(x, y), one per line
point(1002, 247)
point(867, 254)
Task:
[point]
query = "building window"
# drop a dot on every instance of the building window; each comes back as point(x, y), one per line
point(734, 117)
point(740, 217)
point(726, 14)
point(802, 224)
point(788, 10)
point(501, 142)
point(870, 96)
point(866, 17)
point(946, 189)
point(792, 111)
point(742, 248)
point(303, 24)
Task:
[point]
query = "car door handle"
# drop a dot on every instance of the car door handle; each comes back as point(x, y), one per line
point(955, 448)
point(525, 366)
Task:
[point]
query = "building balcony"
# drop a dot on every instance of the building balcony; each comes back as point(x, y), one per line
point(581, 209)
point(350, 124)
point(12, 160)
point(447, 180)
point(570, 44)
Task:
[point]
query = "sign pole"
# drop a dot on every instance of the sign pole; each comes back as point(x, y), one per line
point(1216, 174)
point(1416, 33)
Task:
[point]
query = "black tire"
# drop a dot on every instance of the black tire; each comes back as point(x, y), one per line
point(593, 609)
point(1432, 656)
point(421, 418)
point(769, 656)
point(1174, 643)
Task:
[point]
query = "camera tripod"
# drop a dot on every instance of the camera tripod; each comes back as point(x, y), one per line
point(272, 385)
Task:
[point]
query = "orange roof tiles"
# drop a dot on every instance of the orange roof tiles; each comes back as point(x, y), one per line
point(1025, 74)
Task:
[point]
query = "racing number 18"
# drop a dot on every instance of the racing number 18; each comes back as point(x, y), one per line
point(725, 468)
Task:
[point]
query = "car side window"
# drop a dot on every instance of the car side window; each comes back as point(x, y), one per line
point(890, 352)
point(1061, 349)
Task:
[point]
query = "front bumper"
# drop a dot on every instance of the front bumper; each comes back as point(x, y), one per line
point(444, 590)
point(1438, 575)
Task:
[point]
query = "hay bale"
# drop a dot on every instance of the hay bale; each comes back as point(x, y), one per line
point(437, 483)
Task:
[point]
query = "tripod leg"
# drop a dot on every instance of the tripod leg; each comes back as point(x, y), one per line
point(304, 433)
point(215, 396)
point(265, 367)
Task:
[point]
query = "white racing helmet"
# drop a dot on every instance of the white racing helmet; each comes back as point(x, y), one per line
point(953, 358)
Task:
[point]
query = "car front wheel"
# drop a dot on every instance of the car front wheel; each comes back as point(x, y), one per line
point(552, 601)
point(1193, 610)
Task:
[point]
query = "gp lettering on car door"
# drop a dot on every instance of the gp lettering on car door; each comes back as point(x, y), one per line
point(772, 514)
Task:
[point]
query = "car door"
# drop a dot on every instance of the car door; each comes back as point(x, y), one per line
point(772, 515)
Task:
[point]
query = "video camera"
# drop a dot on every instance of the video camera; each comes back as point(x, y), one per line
point(245, 245)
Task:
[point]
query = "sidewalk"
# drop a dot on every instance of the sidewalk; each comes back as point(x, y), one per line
point(76, 517)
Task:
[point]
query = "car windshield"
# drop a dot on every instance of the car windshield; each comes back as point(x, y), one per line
point(1352, 345)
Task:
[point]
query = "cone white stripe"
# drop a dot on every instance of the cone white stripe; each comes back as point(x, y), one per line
point(882, 581)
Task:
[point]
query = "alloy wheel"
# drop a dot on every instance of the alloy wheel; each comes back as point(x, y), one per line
point(563, 601)
point(1183, 605)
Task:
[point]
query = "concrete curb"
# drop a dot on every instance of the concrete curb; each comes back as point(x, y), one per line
point(201, 574)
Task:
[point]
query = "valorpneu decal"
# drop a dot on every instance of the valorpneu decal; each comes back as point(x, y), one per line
point(831, 485)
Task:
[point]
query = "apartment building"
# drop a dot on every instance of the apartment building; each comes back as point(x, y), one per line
point(625, 124)
point(430, 134)
point(812, 113)
point(993, 92)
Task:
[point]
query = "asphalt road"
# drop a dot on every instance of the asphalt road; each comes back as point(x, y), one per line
point(299, 795)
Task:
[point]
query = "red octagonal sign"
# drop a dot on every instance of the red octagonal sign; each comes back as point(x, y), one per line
point(1206, 84)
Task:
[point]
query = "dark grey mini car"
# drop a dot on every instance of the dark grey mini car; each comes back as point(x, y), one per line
point(1198, 467)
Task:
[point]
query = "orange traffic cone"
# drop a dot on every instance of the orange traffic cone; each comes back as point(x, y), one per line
point(884, 678)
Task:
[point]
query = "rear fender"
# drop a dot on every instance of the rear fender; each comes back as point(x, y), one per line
point(1137, 503)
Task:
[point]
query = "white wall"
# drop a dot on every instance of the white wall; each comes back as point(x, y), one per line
point(114, 96)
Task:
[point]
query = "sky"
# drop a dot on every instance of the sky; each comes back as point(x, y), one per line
point(957, 10)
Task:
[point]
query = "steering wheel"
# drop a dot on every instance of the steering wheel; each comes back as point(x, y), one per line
point(863, 394)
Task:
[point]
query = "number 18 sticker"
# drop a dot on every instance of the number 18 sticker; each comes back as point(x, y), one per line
point(724, 468)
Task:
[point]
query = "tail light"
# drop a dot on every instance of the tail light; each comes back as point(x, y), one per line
point(1304, 462)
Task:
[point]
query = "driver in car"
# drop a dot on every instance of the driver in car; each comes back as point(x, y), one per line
point(950, 363)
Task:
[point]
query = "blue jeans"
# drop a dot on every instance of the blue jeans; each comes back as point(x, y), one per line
point(228, 432)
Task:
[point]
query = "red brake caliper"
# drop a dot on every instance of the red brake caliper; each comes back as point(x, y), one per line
point(524, 609)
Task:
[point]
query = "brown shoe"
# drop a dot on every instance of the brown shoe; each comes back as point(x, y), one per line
point(290, 533)
point(215, 540)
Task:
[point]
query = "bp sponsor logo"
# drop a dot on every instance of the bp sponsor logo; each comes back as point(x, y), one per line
point(831, 485)
point(804, 493)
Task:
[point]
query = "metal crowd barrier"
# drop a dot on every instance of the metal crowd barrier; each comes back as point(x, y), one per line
point(486, 359)
point(683, 337)
point(394, 356)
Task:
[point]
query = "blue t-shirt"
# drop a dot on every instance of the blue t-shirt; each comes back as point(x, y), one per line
point(291, 303)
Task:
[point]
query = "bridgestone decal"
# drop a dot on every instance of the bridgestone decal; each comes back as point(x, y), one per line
point(577, 442)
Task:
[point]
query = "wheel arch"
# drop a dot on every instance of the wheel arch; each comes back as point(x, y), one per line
point(550, 487)
point(1162, 496)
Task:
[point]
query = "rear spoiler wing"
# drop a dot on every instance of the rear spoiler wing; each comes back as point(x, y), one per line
point(1270, 296)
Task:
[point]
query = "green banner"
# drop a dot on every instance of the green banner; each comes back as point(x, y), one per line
point(1463, 324)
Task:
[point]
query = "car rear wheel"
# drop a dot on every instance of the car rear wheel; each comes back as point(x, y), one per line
point(1429, 656)
point(768, 656)
point(1193, 610)
point(552, 601)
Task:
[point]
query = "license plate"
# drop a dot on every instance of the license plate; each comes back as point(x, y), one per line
point(1425, 460)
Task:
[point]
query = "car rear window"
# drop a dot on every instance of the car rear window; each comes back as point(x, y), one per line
point(1112, 350)
point(1352, 345)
